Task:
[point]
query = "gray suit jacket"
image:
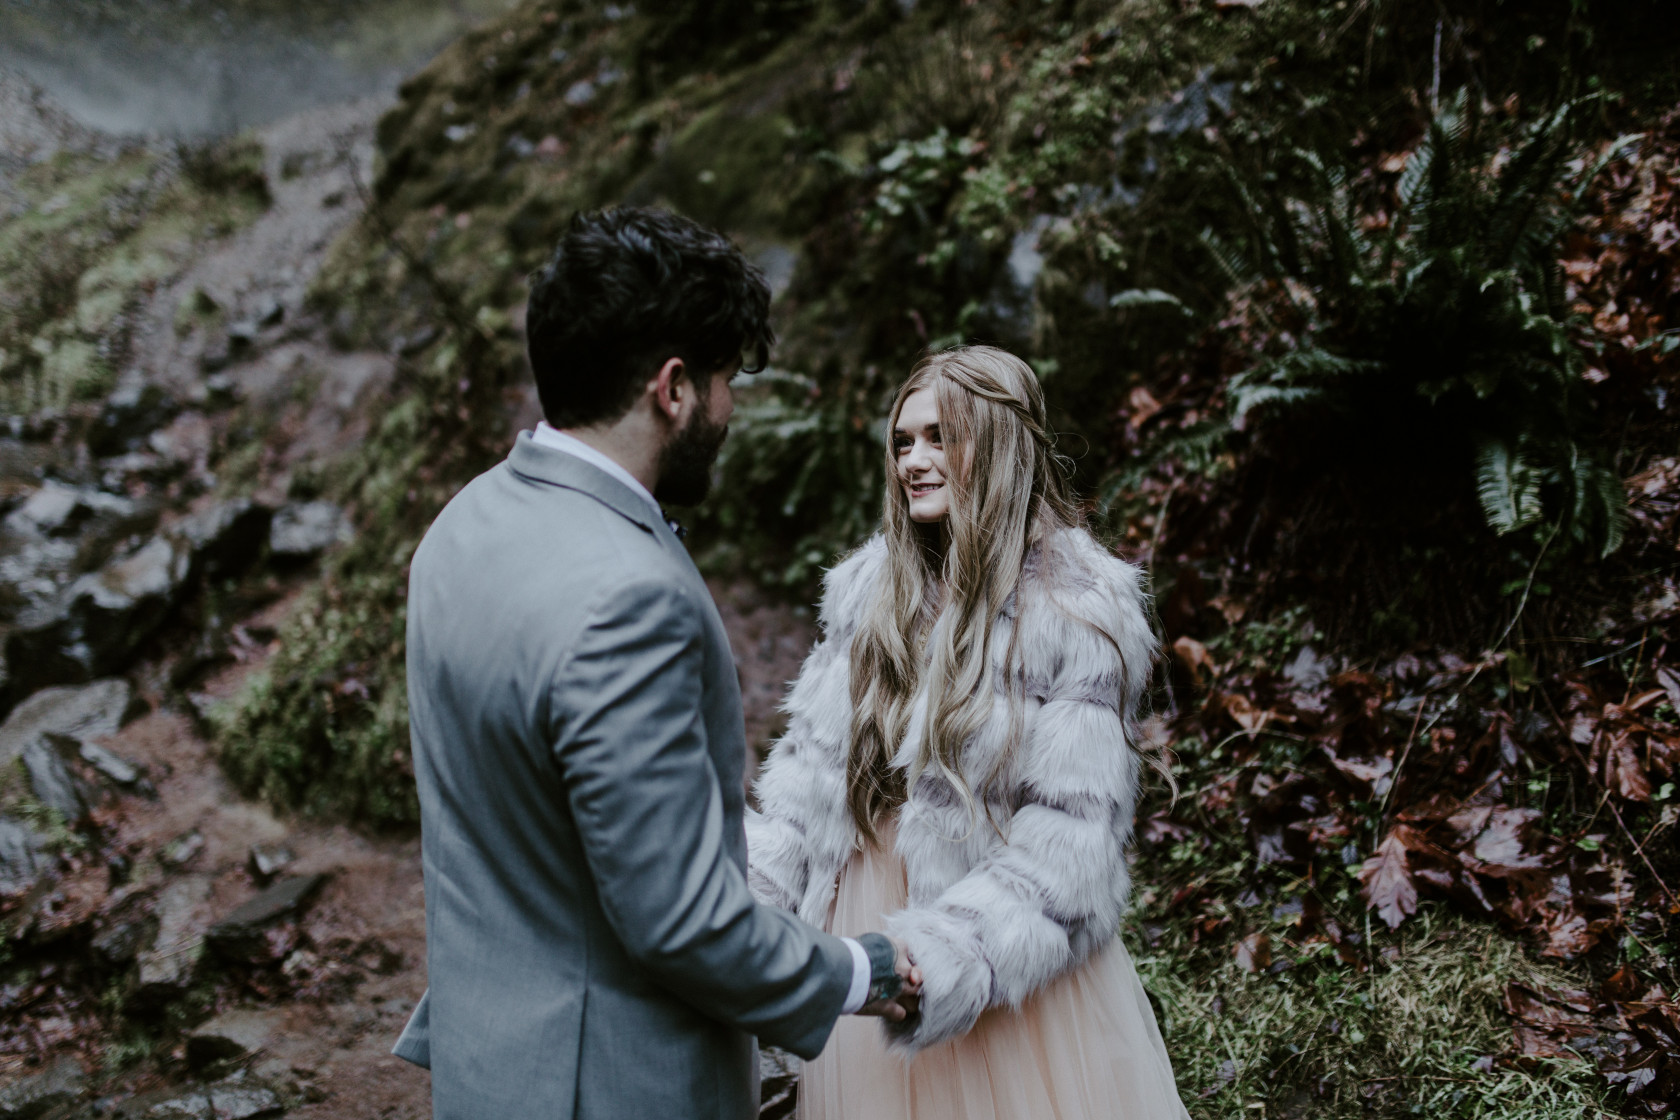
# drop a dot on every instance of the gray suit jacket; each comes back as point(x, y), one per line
point(593, 950)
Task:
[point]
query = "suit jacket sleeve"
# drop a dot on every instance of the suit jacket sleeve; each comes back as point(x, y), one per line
point(630, 742)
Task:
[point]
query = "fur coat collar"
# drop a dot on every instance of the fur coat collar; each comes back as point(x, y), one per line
point(994, 913)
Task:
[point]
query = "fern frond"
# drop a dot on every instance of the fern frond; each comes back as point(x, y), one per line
point(1145, 297)
point(1508, 487)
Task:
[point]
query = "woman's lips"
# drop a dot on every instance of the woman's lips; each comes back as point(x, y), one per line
point(923, 489)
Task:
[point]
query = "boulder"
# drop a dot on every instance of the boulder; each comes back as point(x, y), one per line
point(61, 1084)
point(166, 966)
point(99, 622)
point(232, 1035)
point(132, 412)
point(82, 712)
point(51, 781)
point(244, 1102)
point(119, 942)
point(305, 529)
point(226, 537)
point(193, 1105)
point(24, 860)
point(239, 936)
point(57, 510)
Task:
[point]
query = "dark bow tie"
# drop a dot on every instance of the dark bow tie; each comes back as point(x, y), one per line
point(676, 526)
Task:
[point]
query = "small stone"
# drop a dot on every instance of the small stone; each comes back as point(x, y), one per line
point(271, 314)
point(118, 770)
point(267, 862)
point(239, 935)
point(60, 1084)
point(23, 857)
point(303, 529)
point(183, 849)
point(220, 391)
point(231, 1035)
point(51, 781)
point(84, 712)
point(244, 1102)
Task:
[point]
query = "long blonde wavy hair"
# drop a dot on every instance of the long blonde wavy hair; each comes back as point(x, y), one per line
point(1008, 488)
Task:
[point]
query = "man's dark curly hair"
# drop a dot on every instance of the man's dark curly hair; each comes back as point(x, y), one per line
point(628, 289)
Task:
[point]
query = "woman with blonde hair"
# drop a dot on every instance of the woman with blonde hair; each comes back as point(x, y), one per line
point(960, 768)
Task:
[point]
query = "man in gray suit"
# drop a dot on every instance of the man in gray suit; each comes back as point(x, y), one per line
point(592, 947)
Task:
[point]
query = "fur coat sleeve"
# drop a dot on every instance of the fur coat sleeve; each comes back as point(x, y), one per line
point(802, 788)
point(1052, 889)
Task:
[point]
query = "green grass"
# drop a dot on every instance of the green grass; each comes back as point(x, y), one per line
point(1410, 1035)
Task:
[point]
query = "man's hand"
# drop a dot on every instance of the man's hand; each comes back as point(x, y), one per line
point(908, 1001)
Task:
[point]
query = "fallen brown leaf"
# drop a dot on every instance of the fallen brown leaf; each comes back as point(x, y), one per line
point(1389, 889)
point(1254, 952)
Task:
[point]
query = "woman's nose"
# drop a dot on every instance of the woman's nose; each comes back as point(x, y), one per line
point(917, 459)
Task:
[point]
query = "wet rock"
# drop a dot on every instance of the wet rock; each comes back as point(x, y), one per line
point(304, 529)
point(231, 1035)
point(166, 966)
point(220, 391)
point(224, 538)
point(120, 942)
point(267, 862)
point(183, 849)
point(119, 771)
point(23, 857)
point(82, 712)
point(99, 622)
point(187, 1106)
point(59, 1085)
point(244, 1102)
point(132, 412)
point(239, 936)
point(57, 510)
point(51, 781)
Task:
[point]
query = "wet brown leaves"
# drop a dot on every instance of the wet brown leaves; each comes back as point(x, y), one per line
point(1631, 1032)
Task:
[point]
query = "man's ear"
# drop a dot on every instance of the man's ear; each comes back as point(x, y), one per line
point(673, 390)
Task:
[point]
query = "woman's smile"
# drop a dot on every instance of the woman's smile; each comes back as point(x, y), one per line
point(919, 456)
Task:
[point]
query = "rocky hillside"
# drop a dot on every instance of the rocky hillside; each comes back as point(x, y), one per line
point(1356, 320)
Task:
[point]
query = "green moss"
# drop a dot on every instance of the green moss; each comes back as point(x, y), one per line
point(96, 235)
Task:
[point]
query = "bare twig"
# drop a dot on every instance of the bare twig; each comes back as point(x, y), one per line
point(1516, 615)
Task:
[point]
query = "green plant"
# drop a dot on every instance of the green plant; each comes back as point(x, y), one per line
point(800, 477)
point(1438, 326)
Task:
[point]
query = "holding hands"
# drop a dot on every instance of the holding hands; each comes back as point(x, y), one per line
point(896, 995)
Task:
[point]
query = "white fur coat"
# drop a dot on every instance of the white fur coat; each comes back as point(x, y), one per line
point(991, 918)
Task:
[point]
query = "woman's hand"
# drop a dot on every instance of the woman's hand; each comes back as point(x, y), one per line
point(908, 1000)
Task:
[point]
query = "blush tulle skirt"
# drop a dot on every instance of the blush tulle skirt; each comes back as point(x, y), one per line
point(1084, 1047)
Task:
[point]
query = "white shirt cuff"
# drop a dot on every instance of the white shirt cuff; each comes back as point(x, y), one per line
point(861, 972)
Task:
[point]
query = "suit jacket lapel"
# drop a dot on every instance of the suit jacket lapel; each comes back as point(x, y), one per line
point(549, 465)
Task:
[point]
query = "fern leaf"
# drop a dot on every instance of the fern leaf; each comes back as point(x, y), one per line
point(1146, 297)
point(1509, 488)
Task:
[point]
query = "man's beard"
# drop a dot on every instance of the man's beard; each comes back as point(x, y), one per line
point(685, 464)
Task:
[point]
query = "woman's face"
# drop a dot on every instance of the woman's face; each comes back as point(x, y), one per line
point(919, 454)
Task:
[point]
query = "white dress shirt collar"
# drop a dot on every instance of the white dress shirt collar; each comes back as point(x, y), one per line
point(550, 436)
